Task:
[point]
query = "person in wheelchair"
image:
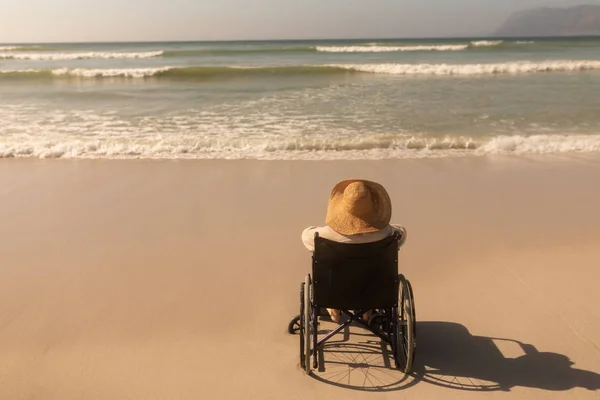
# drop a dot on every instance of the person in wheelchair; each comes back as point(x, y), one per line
point(359, 211)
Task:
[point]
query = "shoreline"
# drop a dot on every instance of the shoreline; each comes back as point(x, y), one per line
point(566, 157)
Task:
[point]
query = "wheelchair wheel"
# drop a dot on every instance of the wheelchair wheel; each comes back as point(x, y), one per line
point(307, 323)
point(404, 328)
point(301, 330)
point(294, 325)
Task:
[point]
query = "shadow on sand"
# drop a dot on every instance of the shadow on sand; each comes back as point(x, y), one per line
point(449, 356)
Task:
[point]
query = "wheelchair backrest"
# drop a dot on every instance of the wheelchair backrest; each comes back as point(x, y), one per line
point(355, 276)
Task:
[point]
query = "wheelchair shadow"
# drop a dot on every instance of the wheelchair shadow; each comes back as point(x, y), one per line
point(448, 356)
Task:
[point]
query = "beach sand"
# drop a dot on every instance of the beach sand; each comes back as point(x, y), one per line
point(177, 279)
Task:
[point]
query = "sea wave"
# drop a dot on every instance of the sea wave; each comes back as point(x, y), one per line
point(184, 73)
point(110, 73)
point(306, 148)
point(232, 51)
point(78, 56)
point(81, 73)
point(353, 48)
point(379, 48)
point(474, 69)
point(501, 45)
point(209, 73)
point(486, 43)
point(384, 49)
point(25, 48)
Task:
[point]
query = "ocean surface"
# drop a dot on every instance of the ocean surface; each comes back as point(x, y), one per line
point(348, 99)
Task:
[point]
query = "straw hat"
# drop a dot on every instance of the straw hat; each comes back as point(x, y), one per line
point(358, 206)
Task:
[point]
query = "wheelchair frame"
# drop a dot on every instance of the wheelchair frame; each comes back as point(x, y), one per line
point(394, 320)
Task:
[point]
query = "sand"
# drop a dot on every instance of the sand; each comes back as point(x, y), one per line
point(176, 279)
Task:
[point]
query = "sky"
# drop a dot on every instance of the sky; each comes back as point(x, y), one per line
point(155, 20)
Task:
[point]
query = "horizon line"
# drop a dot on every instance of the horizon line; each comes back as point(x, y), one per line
point(305, 39)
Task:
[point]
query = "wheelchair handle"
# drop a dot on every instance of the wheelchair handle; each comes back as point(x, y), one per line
point(528, 349)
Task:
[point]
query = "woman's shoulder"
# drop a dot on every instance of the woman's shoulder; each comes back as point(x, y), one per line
point(308, 235)
point(323, 231)
point(401, 230)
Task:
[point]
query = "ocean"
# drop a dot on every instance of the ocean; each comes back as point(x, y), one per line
point(325, 99)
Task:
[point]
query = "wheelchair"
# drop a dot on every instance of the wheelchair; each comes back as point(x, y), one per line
point(355, 279)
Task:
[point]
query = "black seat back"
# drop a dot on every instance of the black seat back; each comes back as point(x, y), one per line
point(356, 276)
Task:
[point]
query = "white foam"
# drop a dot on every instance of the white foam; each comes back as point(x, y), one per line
point(93, 73)
point(524, 42)
point(390, 69)
point(384, 49)
point(20, 48)
point(486, 43)
point(256, 131)
point(295, 148)
point(541, 144)
point(473, 69)
point(110, 73)
point(77, 56)
point(20, 71)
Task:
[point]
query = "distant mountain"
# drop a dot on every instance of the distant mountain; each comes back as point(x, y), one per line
point(581, 20)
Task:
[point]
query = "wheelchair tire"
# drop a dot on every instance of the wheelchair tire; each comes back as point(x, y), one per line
point(307, 321)
point(404, 327)
point(301, 331)
point(294, 325)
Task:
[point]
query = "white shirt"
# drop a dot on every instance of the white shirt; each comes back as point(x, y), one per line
point(308, 235)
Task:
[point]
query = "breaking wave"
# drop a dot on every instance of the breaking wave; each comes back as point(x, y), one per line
point(110, 73)
point(305, 148)
point(77, 56)
point(474, 69)
point(384, 49)
point(185, 73)
point(231, 51)
point(209, 73)
point(486, 43)
point(380, 48)
point(25, 48)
